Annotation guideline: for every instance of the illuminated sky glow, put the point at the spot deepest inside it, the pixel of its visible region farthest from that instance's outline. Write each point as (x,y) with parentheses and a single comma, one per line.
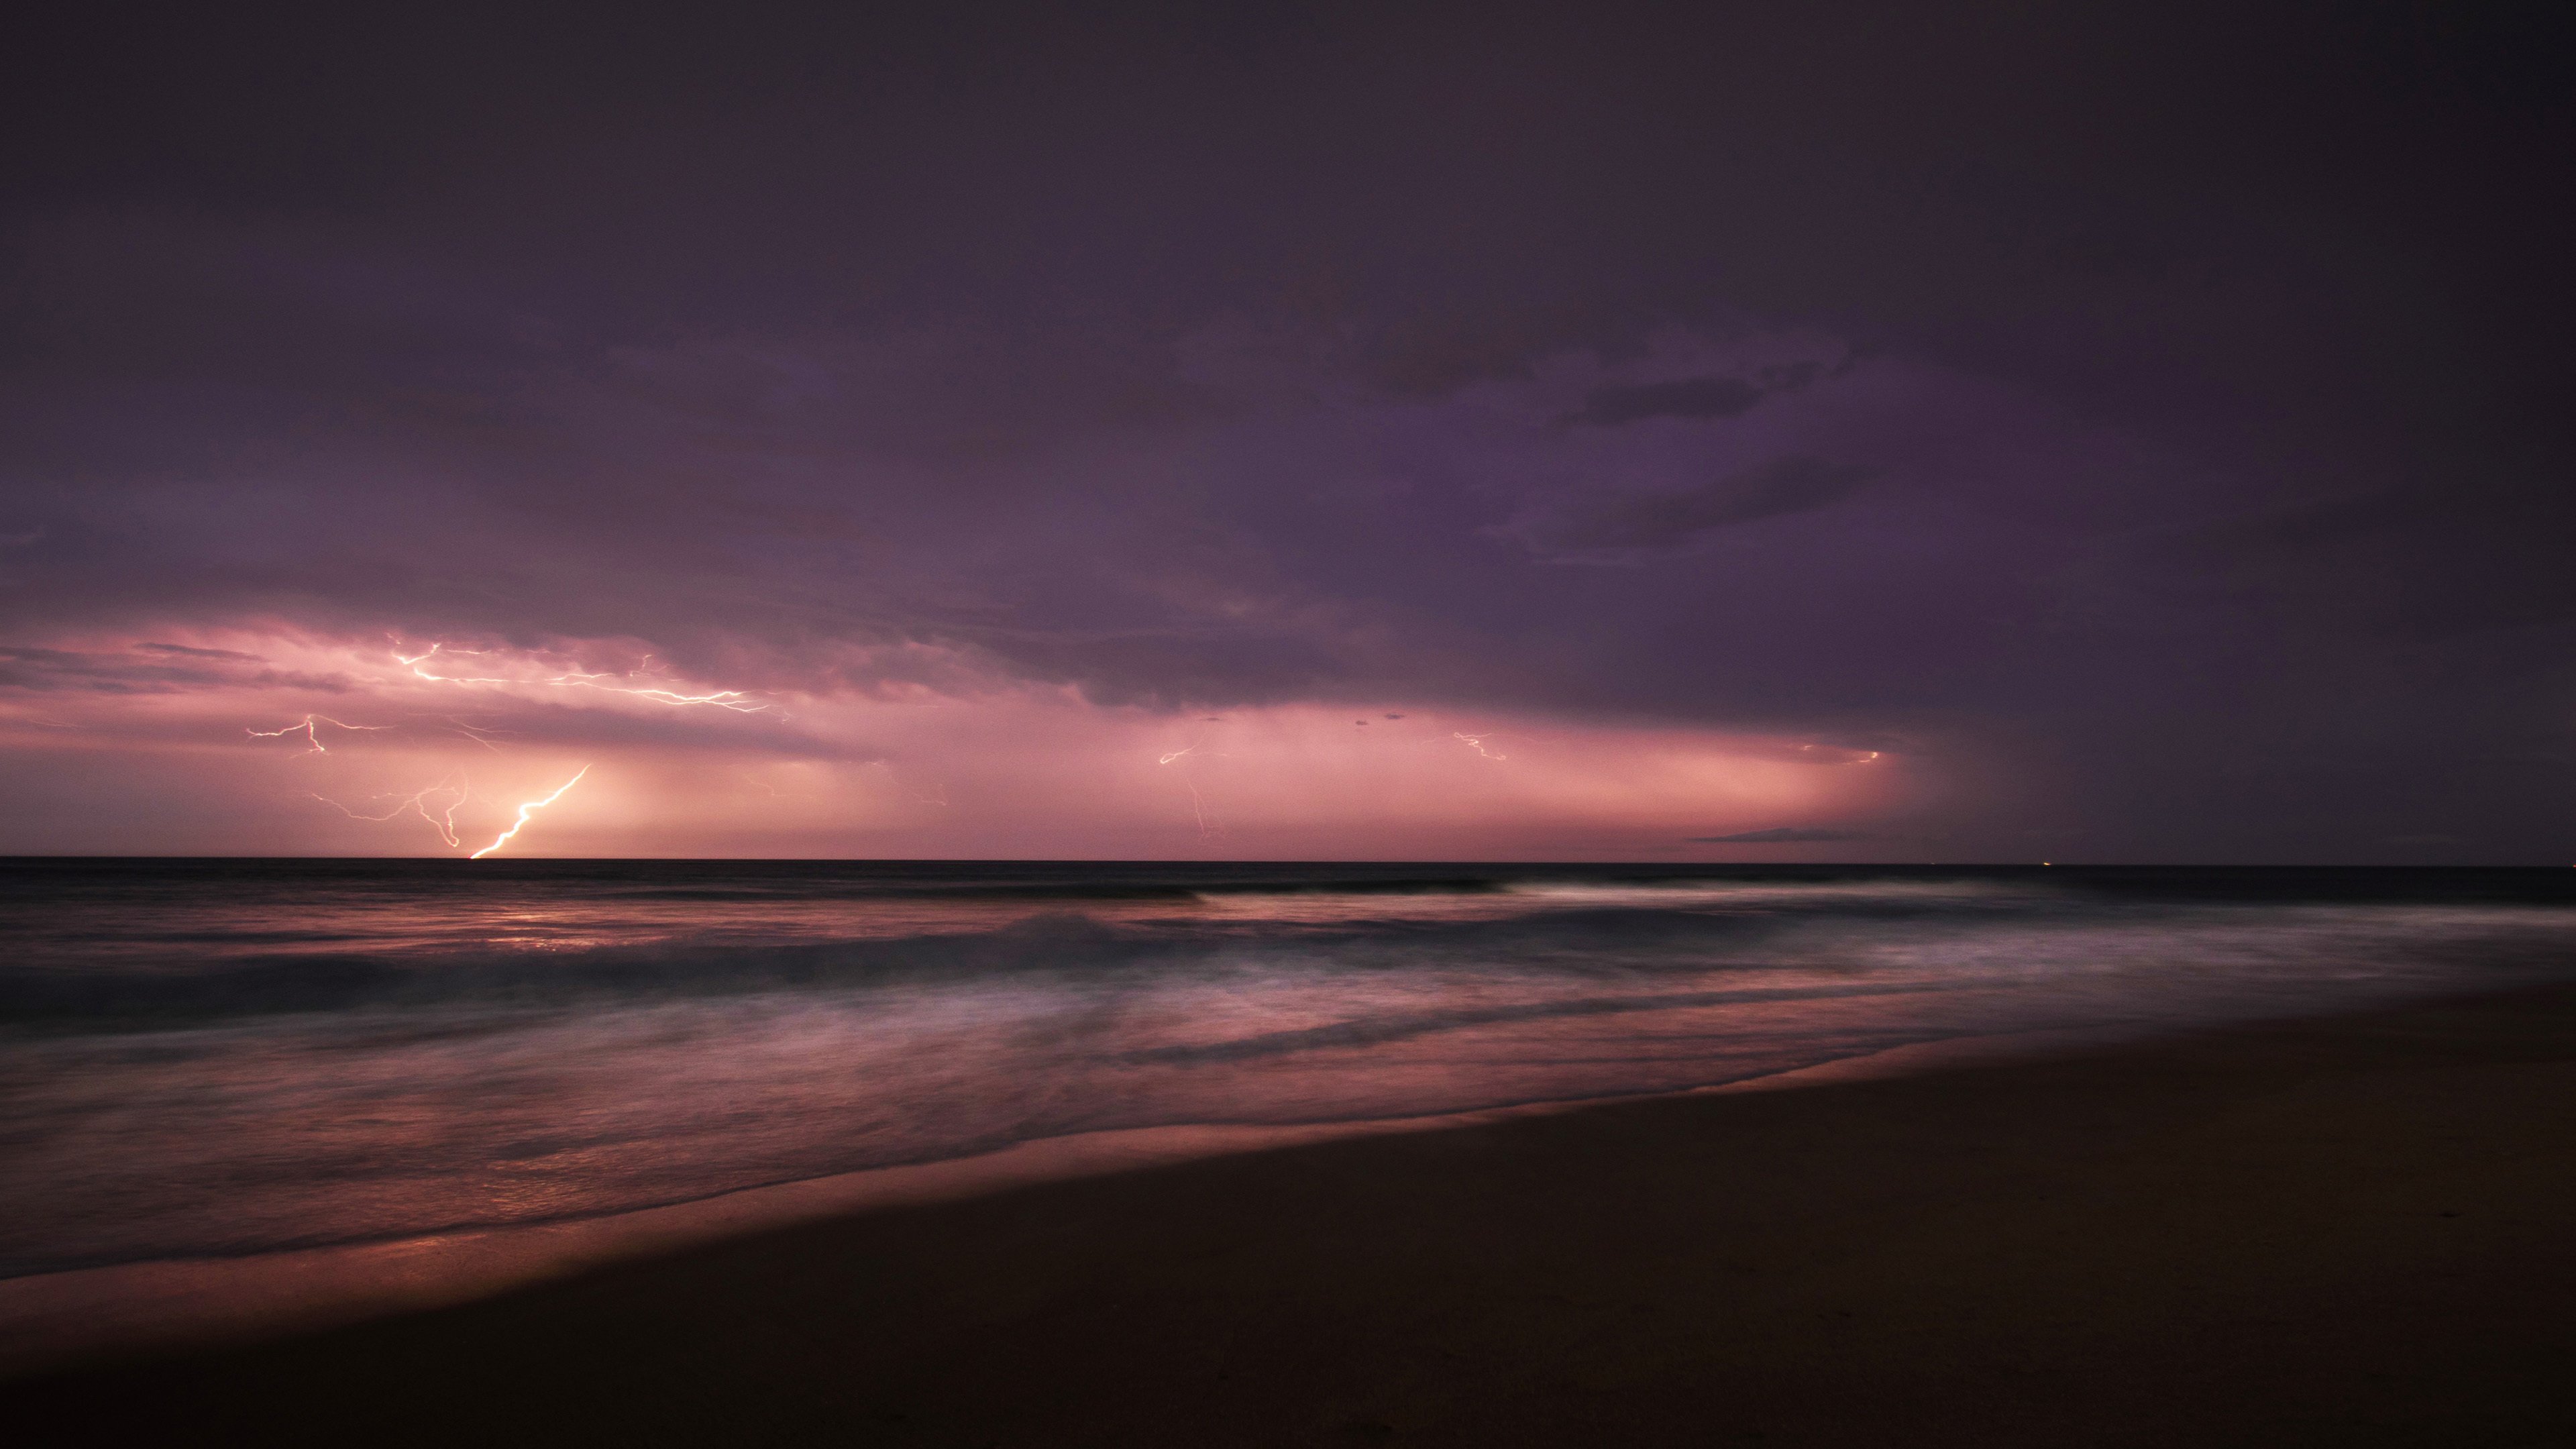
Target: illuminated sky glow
(433,766)
(1873,433)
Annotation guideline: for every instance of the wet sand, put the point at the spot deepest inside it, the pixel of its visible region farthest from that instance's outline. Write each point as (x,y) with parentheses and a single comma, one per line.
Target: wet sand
(2352,1231)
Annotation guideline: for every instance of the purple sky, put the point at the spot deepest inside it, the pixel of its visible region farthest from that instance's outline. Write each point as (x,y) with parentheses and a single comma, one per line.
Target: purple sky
(1886,432)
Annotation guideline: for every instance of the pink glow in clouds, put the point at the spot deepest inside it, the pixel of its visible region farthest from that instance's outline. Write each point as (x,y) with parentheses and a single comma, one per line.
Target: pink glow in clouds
(288,745)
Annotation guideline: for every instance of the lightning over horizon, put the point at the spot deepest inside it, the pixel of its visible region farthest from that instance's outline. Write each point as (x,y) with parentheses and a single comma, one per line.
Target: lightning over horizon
(1661,395)
(439,804)
(305,727)
(527,812)
(1198,802)
(444,822)
(1672,549)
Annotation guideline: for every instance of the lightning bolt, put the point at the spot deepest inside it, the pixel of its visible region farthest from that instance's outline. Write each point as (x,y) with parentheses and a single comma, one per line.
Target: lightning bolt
(578,678)
(305,727)
(1849,759)
(444,822)
(1477,743)
(479,736)
(527,811)
(1198,804)
(413,662)
(732,699)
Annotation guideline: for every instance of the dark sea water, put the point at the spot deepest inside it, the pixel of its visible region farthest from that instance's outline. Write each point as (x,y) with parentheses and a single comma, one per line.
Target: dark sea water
(226,1057)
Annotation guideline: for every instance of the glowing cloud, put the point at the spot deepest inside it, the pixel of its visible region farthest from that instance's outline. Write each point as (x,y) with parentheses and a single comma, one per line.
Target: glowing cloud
(985,770)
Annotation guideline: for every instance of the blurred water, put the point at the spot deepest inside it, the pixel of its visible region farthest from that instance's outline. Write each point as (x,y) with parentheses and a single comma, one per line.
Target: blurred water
(227,1057)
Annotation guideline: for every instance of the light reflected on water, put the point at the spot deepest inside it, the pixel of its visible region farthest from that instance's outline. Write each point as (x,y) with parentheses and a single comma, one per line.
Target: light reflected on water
(202,1065)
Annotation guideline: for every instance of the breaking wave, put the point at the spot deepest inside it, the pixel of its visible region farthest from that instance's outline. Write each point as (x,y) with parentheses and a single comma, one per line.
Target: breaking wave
(232,1057)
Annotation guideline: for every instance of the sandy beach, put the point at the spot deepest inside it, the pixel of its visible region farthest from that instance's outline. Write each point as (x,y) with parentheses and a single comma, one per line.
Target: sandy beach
(2338,1232)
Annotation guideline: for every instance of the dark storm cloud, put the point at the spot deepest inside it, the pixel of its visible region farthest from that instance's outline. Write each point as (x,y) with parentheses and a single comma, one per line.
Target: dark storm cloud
(186,651)
(2204,466)
(1784,835)
(149,669)
(1612,525)
(1700,398)
(1691,397)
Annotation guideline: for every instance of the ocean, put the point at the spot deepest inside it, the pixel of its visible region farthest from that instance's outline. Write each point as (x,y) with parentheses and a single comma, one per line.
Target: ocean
(213,1058)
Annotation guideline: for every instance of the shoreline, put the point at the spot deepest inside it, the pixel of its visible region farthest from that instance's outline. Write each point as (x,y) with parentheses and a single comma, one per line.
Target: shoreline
(72,1317)
(2344,1229)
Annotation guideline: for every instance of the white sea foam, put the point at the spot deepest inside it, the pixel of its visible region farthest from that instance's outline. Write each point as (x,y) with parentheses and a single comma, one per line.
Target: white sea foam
(198,1066)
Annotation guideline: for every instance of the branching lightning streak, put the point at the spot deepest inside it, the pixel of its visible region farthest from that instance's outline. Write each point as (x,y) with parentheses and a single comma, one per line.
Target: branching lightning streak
(478,736)
(1477,743)
(444,822)
(1198,804)
(732,699)
(305,727)
(527,811)
(415,661)
(578,678)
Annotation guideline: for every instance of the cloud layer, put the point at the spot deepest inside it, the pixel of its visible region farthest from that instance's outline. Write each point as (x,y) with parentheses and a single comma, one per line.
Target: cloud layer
(2139,483)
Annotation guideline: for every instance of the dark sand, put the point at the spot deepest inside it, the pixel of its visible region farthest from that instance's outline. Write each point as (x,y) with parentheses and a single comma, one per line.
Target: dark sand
(2348,1232)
